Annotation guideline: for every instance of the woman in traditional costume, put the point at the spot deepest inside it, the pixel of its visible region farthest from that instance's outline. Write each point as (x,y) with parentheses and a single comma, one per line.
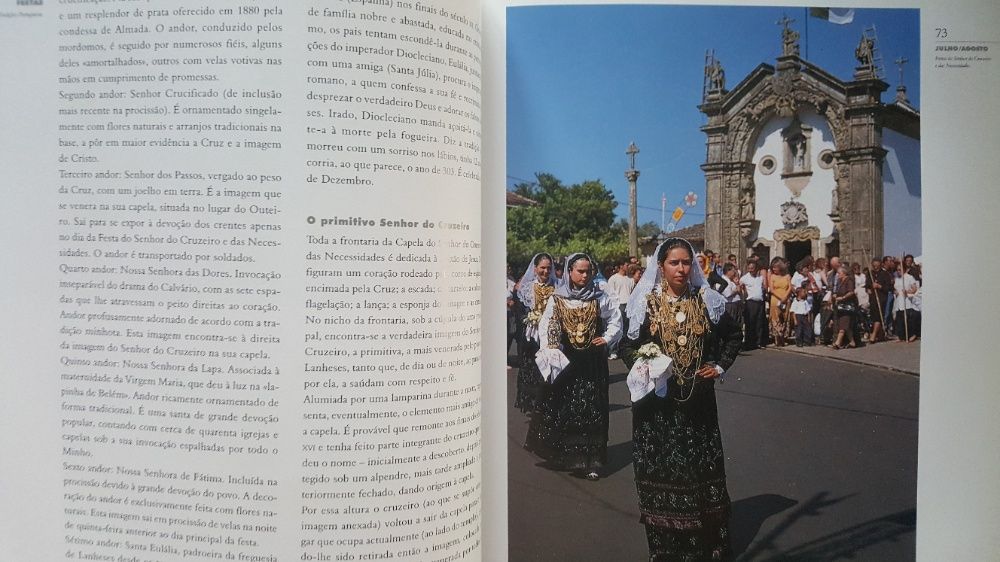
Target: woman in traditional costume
(569,427)
(677,451)
(533,291)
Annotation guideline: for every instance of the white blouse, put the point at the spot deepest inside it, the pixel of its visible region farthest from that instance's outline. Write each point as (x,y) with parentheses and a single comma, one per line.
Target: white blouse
(906,285)
(607,306)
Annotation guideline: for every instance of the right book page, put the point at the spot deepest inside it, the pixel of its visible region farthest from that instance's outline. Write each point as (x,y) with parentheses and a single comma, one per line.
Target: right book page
(792,133)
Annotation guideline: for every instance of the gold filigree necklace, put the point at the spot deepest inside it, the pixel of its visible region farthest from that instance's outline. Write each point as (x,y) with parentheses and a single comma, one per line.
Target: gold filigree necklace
(681,325)
(542,294)
(579,324)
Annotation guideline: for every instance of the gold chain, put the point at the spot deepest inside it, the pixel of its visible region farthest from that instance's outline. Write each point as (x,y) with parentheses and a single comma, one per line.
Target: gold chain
(579,324)
(542,294)
(681,325)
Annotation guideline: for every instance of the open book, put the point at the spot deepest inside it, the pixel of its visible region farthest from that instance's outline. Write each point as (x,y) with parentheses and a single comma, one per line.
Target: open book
(252,276)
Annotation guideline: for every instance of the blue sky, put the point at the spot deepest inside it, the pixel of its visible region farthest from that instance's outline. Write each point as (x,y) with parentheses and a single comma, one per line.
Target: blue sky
(585,81)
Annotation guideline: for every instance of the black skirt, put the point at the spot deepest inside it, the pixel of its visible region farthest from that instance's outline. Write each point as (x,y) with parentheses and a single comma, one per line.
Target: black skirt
(569,427)
(680,475)
(529,379)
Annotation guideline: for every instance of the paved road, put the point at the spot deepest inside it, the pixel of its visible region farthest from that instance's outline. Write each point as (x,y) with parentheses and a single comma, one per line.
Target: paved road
(821,457)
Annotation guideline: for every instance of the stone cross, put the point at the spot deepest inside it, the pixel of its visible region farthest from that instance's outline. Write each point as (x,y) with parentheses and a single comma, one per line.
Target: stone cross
(900,62)
(632,151)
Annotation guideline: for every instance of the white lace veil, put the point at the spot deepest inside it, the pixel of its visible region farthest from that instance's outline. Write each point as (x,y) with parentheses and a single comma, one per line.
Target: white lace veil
(651,279)
(526,286)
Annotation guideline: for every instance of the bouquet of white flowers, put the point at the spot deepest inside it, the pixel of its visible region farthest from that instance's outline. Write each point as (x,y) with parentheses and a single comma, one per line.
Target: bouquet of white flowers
(531,324)
(649,373)
(533,318)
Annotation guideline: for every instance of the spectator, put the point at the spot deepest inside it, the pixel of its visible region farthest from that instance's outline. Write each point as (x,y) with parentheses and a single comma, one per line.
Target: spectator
(880,284)
(907,305)
(732,260)
(620,286)
(780,289)
(801,309)
(733,292)
(889,265)
(845,307)
(753,308)
(635,271)
(861,291)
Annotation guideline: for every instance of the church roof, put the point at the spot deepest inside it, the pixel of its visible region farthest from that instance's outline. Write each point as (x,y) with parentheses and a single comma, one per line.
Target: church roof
(515,200)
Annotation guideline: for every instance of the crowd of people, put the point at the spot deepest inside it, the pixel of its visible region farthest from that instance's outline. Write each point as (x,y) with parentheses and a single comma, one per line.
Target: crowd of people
(812,302)
(699,311)
(821,301)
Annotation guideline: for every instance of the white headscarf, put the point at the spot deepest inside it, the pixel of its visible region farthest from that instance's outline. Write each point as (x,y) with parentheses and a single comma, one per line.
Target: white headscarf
(526,286)
(651,279)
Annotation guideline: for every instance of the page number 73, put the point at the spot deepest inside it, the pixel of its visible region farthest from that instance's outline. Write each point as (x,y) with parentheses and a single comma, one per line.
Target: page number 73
(941,32)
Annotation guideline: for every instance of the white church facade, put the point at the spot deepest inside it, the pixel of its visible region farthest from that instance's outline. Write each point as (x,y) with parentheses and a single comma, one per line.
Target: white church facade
(802,163)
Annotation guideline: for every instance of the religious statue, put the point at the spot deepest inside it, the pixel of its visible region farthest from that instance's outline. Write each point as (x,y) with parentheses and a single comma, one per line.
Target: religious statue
(790,42)
(716,76)
(865,53)
(746,198)
(799,150)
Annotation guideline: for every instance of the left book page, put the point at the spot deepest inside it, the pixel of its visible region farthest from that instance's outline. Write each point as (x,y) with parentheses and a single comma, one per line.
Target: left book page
(241,291)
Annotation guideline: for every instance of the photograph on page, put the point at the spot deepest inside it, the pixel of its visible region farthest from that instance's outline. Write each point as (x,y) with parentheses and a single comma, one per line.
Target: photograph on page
(714,282)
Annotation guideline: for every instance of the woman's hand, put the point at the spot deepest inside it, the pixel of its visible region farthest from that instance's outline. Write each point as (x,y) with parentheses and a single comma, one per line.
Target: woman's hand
(707,371)
(599,341)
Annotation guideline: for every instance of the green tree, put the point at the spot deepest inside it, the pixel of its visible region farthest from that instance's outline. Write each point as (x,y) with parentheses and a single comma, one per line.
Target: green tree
(575,218)
(645,230)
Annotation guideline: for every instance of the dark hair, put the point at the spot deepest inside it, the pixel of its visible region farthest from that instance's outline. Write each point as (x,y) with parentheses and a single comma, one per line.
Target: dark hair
(582,256)
(728,267)
(670,244)
(540,257)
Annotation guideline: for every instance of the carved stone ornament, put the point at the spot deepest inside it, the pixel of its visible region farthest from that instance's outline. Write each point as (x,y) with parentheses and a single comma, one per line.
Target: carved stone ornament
(785,94)
(797,234)
(789,42)
(794,215)
(747,198)
(842,190)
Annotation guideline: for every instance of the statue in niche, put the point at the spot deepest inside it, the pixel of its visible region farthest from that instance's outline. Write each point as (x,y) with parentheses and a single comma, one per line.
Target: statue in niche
(796,139)
(798,146)
(747,204)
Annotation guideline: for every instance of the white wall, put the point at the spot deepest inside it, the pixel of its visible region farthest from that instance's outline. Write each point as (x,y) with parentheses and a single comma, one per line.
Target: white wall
(901,194)
(771,190)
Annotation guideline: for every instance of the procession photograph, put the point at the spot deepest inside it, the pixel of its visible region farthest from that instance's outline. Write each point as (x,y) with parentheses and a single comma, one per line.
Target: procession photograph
(714,280)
